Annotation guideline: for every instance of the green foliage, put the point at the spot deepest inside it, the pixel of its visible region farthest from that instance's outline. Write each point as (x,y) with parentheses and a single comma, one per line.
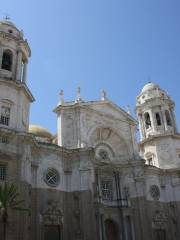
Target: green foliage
(9,200)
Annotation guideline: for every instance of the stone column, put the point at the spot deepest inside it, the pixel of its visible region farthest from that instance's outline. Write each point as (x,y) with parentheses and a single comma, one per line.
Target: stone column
(25,72)
(103,230)
(142,127)
(19,66)
(173,119)
(164,119)
(153,124)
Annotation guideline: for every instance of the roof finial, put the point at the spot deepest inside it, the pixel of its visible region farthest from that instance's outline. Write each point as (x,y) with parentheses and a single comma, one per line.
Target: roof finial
(78,95)
(103,95)
(128,110)
(61,97)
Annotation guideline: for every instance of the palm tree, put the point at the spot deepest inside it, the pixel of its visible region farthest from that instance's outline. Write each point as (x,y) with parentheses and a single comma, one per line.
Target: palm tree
(9,200)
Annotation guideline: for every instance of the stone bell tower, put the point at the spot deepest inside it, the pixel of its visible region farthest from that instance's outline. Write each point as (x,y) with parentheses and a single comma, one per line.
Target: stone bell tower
(15,97)
(155,111)
(160,141)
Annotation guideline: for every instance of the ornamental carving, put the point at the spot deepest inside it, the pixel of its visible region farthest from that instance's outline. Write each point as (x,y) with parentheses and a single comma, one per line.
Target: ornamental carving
(159,220)
(52,216)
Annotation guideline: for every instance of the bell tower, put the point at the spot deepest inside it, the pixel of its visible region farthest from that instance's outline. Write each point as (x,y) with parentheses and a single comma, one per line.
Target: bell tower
(15,97)
(158,131)
(155,112)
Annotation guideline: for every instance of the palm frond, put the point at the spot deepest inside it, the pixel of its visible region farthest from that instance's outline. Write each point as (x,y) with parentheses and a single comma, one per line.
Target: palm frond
(9,198)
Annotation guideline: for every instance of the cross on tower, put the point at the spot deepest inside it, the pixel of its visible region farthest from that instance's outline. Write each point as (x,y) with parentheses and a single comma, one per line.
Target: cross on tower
(7,17)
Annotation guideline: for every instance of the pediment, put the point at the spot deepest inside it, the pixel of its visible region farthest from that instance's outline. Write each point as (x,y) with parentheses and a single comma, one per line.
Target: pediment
(111,110)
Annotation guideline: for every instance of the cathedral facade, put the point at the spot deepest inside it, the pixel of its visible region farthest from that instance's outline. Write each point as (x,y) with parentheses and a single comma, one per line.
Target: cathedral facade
(92,180)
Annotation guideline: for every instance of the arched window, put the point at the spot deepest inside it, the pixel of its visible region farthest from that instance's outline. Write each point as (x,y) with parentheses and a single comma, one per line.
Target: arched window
(7,60)
(147,120)
(52,223)
(158,119)
(168,118)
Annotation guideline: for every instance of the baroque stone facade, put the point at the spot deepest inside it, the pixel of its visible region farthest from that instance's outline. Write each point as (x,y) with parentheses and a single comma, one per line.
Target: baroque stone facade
(92,180)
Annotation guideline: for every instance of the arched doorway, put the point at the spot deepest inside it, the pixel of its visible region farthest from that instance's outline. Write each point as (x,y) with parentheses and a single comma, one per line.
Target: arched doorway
(52,232)
(160,234)
(111,230)
(52,223)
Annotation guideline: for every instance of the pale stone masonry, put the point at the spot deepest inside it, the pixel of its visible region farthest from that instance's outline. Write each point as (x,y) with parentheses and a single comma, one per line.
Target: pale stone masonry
(92,180)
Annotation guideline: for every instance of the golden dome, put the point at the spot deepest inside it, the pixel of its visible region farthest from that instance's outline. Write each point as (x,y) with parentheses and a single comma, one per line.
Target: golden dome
(39,131)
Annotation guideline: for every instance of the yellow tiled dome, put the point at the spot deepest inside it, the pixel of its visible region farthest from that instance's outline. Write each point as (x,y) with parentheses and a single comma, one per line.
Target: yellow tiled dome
(39,131)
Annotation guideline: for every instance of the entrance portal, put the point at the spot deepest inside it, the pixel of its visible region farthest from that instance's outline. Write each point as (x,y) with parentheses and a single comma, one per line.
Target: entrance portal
(160,234)
(52,233)
(111,230)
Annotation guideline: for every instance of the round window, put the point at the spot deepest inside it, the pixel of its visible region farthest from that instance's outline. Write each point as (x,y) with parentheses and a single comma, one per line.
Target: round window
(155,192)
(51,177)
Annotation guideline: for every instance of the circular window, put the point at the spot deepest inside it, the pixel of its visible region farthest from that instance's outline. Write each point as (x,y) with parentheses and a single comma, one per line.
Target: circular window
(155,192)
(103,155)
(51,177)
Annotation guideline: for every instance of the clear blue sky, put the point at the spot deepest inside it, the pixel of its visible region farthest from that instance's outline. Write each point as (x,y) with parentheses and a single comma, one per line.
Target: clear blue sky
(114,45)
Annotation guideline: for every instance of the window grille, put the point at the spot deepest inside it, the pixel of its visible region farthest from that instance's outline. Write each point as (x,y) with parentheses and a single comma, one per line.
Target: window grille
(2,172)
(51,177)
(5,116)
(155,192)
(4,140)
(106,190)
(103,155)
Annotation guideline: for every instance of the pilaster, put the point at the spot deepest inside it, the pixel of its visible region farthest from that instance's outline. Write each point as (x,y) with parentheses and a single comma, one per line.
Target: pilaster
(25,72)
(19,66)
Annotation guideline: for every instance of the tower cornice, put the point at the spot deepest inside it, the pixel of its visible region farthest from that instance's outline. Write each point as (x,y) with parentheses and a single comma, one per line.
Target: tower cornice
(155,137)
(18,85)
